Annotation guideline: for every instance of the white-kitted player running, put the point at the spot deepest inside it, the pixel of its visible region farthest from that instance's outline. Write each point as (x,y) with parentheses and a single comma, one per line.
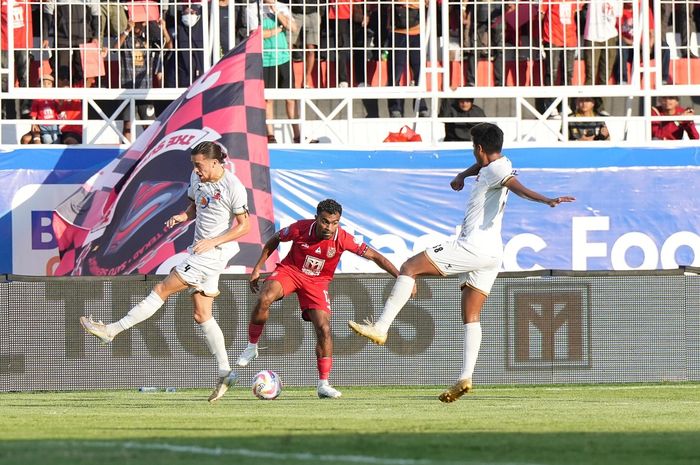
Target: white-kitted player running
(219,203)
(475,255)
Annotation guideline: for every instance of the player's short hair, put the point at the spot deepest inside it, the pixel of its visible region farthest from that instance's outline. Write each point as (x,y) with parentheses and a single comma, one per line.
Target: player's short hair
(209,149)
(329,206)
(488,136)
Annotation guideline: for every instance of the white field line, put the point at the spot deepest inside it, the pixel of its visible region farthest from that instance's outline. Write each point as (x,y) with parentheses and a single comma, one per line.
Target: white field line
(304,457)
(617,388)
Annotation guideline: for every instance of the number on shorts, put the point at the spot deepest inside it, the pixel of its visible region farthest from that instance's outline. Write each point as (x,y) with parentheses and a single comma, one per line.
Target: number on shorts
(437,249)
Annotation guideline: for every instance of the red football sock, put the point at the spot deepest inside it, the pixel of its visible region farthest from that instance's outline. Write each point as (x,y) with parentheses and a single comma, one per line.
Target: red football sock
(324,365)
(254,332)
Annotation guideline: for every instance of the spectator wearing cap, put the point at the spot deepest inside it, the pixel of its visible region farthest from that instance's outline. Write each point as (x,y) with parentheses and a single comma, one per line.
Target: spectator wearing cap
(43,110)
(587,107)
(460,108)
(672,130)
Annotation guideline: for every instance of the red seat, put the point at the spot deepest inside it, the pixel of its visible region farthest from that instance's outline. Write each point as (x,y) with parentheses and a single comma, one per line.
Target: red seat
(685,71)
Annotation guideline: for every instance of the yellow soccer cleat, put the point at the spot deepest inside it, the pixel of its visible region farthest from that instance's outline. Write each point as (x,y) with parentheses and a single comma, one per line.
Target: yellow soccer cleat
(369,331)
(457,390)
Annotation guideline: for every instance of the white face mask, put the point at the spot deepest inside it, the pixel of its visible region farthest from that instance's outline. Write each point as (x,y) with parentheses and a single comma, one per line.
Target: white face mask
(190,19)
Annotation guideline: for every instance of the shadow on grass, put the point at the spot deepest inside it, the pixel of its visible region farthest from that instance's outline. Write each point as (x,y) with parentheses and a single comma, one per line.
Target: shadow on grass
(410,448)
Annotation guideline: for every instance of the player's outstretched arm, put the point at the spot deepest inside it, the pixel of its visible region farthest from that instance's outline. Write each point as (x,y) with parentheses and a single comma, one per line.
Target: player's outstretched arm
(457,182)
(521,191)
(267,250)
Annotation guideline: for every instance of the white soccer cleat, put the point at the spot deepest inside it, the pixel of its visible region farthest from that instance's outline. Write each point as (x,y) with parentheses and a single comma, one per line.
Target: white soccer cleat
(248,355)
(326,391)
(369,331)
(222,386)
(96,328)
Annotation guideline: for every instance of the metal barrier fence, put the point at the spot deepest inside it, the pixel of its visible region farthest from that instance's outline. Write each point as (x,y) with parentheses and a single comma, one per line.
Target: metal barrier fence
(543,328)
(348,61)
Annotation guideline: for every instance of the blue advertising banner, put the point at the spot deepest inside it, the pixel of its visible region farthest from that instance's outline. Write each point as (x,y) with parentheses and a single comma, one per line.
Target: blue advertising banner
(635,207)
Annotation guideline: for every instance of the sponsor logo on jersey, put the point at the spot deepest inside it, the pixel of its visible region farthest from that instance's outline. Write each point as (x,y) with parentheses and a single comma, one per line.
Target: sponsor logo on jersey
(318,250)
(312,266)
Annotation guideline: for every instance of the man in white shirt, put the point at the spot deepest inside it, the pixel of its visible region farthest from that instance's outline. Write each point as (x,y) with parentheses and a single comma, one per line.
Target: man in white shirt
(475,255)
(600,40)
(219,205)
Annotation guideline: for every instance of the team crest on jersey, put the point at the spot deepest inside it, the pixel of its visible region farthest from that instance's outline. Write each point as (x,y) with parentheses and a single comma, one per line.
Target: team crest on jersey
(217,195)
(331,252)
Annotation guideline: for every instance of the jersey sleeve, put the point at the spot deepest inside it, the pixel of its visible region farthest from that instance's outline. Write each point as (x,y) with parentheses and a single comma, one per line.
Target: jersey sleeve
(351,244)
(501,173)
(289,233)
(239,200)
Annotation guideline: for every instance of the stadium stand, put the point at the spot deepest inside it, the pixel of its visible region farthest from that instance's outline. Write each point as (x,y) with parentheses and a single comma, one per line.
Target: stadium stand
(498,52)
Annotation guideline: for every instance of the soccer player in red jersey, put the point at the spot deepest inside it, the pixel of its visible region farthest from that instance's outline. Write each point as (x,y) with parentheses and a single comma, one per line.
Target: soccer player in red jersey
(307,271)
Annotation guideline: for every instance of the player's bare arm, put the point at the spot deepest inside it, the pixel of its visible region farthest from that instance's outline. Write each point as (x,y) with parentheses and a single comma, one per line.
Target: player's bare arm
(383,263)
(267,250)
(521,191)
(240,228)
(457,182)
(189,214)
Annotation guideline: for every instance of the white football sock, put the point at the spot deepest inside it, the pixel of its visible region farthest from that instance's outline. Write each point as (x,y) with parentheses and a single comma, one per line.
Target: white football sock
(472,343)
(400,294)
(216,343)
(142,311)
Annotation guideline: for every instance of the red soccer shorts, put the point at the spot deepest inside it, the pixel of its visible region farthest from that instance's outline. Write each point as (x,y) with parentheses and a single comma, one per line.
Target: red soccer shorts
(312,293)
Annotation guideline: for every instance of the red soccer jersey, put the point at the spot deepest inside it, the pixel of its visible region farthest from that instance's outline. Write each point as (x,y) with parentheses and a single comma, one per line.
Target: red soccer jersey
(317,258)
(20,21)
(44,109)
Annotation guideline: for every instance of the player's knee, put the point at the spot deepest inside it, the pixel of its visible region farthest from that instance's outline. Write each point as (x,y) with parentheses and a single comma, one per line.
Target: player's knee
(323,332)
(265,300)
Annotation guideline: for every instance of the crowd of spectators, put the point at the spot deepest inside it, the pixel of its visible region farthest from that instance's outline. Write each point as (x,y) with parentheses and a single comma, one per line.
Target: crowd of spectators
(145,44)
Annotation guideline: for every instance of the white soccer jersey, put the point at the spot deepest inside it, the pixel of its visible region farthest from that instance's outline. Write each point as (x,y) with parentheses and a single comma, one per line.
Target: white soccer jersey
(217,203)
(481,228)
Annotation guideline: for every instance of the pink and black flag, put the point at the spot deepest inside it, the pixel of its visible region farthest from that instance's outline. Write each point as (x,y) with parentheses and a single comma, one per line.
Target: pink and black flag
(114,224)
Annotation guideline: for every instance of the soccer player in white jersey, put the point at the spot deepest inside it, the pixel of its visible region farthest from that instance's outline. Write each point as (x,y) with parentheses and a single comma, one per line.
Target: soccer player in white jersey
(219,203)
(475,255)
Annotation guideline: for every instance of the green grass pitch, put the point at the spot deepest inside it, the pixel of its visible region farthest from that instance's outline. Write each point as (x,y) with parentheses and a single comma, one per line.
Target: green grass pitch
(591,424)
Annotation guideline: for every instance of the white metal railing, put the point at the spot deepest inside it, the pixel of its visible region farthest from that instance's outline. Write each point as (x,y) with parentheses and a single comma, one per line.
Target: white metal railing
(494,51)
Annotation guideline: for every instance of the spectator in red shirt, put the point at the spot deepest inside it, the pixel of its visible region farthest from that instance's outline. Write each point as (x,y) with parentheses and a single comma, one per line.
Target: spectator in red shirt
(559,43)
(43,110)
(72,109)
(307,270)
(672,130)
(19,20)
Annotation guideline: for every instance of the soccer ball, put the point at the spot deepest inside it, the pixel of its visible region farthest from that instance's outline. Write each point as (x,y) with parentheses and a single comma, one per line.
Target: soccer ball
(267,385)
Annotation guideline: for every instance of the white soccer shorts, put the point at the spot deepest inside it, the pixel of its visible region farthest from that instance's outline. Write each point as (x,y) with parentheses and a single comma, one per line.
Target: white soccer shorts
(476,271)
(202,271)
